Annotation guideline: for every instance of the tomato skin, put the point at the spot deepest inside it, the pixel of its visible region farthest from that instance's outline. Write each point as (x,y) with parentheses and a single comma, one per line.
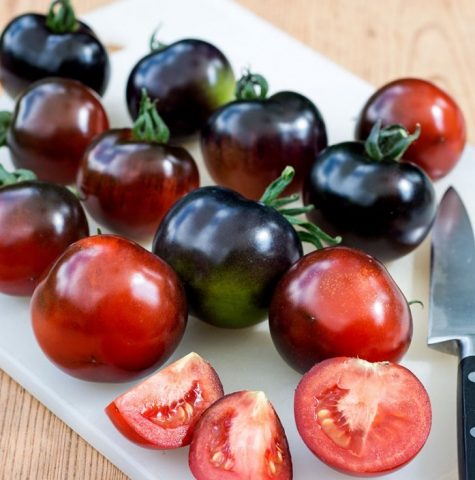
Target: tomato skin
(240,437)
(108,310)
(229,252)
(247,143)
(30,51)
(38,220)
(412,101)
(53,123)
(362,418)
(335,302)
(162,411)
(129,185)
(190,79)
(384,207)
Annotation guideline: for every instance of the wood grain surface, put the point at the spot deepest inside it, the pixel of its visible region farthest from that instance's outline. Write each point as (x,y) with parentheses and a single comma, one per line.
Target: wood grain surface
(379,41)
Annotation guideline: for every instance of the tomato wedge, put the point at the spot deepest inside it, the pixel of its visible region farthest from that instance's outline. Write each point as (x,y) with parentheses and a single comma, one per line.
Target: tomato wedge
(361,417)
(240,437)
(161,412)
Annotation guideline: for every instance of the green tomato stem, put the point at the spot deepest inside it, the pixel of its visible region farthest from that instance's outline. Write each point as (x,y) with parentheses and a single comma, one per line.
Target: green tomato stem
(389,143)
(20,175)
(154,43)
(251,86)
(61,17)
(149,126)
(5,122)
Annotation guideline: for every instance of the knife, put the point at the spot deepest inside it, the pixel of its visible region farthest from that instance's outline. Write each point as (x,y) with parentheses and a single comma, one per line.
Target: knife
(452,313)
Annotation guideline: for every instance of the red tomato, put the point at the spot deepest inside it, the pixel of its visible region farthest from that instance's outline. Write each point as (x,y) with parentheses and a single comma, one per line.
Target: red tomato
(128,185)
(161,412)
(240,437)
(361,417)
(108,310)
(339,302)
(412,101)
(53,122)
(38,220)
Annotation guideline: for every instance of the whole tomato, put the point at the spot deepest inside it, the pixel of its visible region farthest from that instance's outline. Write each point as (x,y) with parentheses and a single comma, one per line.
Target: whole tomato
(339,302)
(413,101)
(108,310)
(38,220)
(248,142)
(35,46)
(53,122)
(129,178)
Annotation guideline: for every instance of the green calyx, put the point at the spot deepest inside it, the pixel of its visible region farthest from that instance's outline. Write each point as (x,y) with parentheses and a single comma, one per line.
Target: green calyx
(149,126)
(61,17)
(389,143)
(20,175)
(154,43)
(251,86)
(5,121)
(307,231)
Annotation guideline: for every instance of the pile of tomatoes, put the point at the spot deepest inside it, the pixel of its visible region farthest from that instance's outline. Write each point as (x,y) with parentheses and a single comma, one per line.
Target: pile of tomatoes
(104,308)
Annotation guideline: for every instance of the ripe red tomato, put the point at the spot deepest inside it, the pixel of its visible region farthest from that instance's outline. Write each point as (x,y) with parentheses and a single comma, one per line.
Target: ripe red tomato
(240,437)
(161,412)
(53,122)
(128,184)
(360,417)
(339,302)
(108,310)
(412,101)
(38,220)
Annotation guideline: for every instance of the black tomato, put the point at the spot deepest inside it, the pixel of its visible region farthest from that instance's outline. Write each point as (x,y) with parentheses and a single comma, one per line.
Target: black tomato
(129,178)
(189,78)
(53,123)
(229,251)
(38,221)
(248,142)
(376,203)
(34,46)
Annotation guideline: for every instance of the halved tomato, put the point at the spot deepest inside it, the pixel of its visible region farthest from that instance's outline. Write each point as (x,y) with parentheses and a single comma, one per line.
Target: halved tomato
(240,437)
(161,412)
(361,417)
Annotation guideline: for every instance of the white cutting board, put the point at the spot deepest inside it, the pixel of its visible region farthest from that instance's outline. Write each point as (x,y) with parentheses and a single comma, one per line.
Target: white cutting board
(244,359)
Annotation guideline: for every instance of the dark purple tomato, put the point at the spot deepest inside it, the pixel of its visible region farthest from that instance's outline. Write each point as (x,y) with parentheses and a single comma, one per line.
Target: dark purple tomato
(54,121)
(189,78)
(38,221)
(128,185)
(248,142)
(34,46)
(384,207)
(412,101)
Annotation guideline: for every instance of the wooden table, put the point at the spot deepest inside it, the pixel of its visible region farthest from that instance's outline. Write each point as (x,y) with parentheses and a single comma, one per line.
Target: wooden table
(378,41)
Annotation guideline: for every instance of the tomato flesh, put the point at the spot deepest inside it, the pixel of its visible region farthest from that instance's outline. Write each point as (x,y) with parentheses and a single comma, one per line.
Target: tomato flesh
(362,417)
(240,437)
(161,412)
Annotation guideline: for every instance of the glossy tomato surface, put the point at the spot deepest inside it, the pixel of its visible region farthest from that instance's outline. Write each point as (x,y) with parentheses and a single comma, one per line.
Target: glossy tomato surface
(53,123)
(247,143)
(129,185)
(412,101)
(383,207)
(190,79)
(108,310)
(240,437)
(30,51)
(362,418)
(229,252)
(335,302)
(162,411)
(38,220)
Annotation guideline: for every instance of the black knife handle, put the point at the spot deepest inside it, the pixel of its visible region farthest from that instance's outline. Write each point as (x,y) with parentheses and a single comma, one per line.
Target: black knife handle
(466,418)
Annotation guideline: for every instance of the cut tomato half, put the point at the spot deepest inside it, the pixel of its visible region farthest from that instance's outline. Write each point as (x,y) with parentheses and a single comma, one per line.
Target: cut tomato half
(240,437)
(361,417)
(161,412)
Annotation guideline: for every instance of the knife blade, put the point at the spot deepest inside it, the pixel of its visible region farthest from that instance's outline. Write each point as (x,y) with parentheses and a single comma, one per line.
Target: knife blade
(452,313)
